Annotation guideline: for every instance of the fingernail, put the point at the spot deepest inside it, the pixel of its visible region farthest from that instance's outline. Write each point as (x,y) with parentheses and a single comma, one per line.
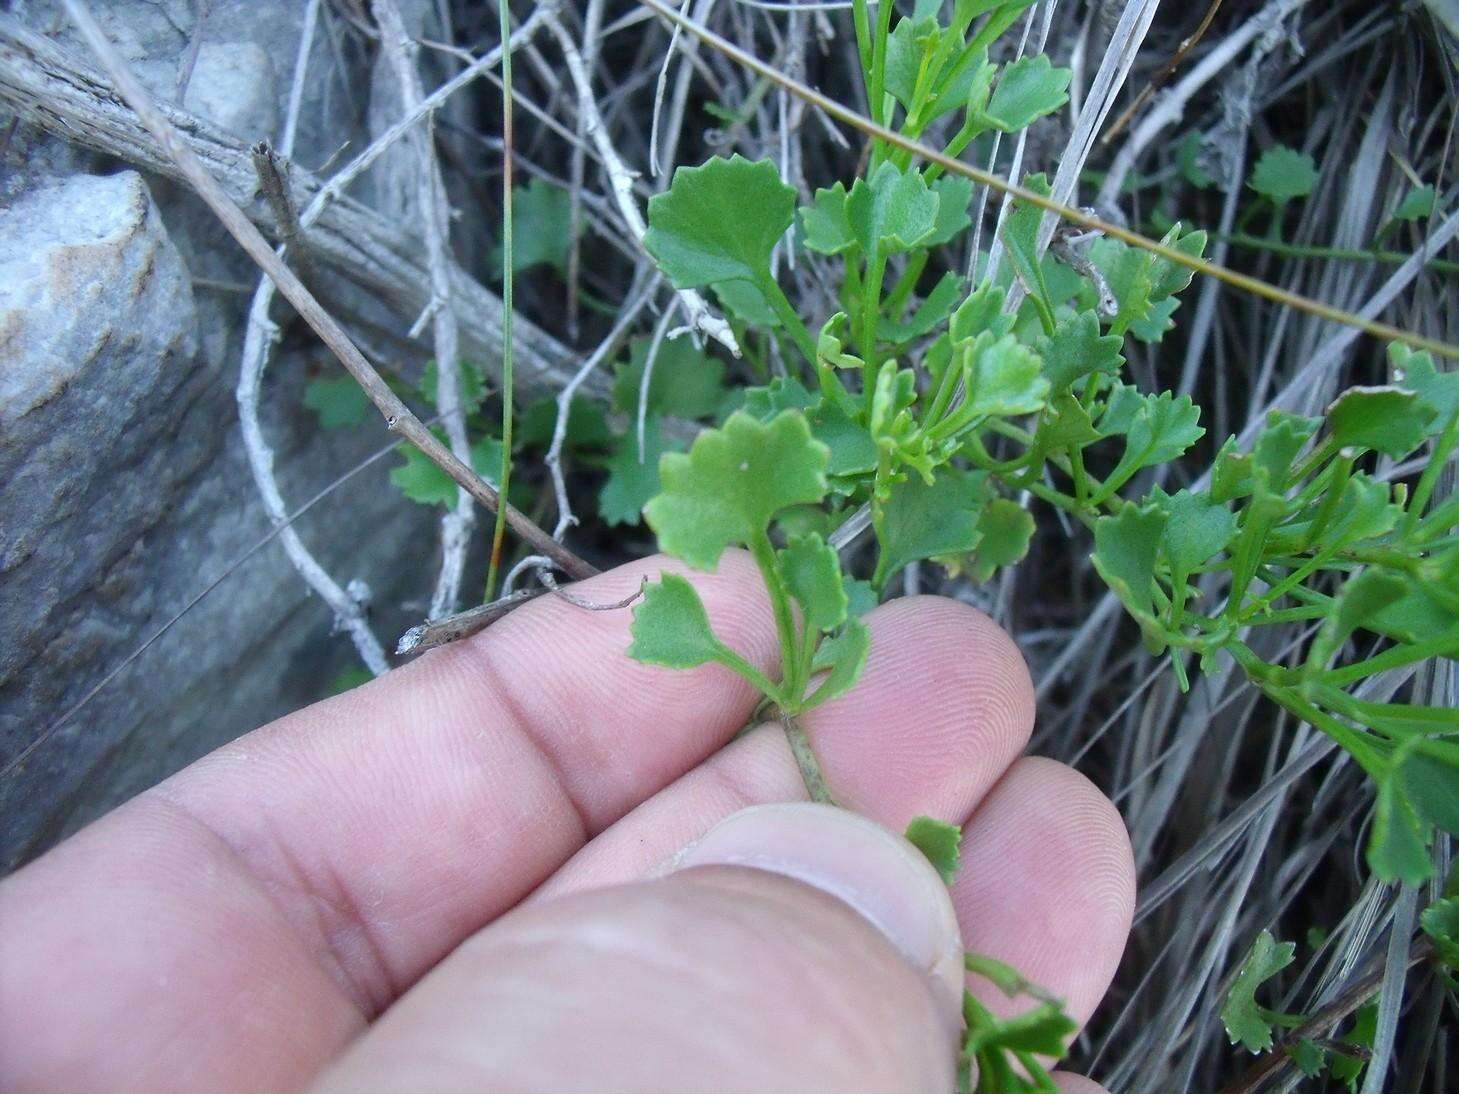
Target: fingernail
(876,872)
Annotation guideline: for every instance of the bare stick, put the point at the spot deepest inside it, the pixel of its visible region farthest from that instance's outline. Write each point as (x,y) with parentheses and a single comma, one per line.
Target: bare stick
(456,522)
(700,316)
(275,189)
(453,628)
(348,605)
(565,517)
(398,416)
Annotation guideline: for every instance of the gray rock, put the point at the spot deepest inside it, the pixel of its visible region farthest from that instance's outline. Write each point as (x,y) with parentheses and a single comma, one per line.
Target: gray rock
(236,86)
(125,491)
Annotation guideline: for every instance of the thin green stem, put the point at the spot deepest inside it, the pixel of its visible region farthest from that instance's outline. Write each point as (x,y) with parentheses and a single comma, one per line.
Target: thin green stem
(735,663)
(870,311)
(806,761)
(764,555)
(789,317)
(1427,481)
(498,534)
(1297,250)
(1443,645)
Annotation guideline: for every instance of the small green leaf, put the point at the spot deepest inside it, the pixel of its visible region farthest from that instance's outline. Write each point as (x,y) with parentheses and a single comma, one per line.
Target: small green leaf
(1417,204)
(338,402)
(1386,419)
(1076,349)
(908,46)
(1005,530)
(853,451)
(921,521)
(1357,602)
(1045,1030)
(732,482)
(892,211)
(631,481)
(841,657)
(719,222)
(940,842)
(1003,379)
(1283,173)
(1029,88)
(421,480)
(826,228)
(1398,846)
(1198,528)
(1415,371)
(1125,547)
(542,227)
(1122,405)
(1247,1022)
(1308,1057)
(981,311)
(954,195)
(1277,446)
(470,384)
(1020,236)
(686,382)
(780,394)
(931,313)
(1168,278)
(1160,431)
(812,573)
(1348,1067)
(670,626)
(1430,780)
(587,425)
(1189,158)
(860,596)
(1440,922)
(743,300)
(1065,423)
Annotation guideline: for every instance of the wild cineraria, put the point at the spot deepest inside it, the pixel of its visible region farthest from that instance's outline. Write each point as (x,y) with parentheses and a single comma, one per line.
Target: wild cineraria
(963,380)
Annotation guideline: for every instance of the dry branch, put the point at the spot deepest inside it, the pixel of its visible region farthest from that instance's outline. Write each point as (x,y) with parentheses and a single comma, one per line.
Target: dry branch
(457,521)
(397,415)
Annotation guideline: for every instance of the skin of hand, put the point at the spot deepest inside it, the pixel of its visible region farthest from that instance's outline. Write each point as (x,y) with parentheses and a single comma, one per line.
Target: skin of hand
(471,874)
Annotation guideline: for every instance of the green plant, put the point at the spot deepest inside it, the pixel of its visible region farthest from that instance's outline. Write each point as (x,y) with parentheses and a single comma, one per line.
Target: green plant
(936,406)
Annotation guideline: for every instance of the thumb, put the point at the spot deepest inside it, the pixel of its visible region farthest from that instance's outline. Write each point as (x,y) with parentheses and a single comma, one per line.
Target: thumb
(795,948)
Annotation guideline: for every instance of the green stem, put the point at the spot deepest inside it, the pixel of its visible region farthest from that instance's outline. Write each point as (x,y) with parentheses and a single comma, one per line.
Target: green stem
(788,316)
(1297,250)
(876,89)
(870,310)
(861,19)
(906,283)
(1444,645)
(806,761)
(498,534)
(764,555)
(1430,477)
(735,663)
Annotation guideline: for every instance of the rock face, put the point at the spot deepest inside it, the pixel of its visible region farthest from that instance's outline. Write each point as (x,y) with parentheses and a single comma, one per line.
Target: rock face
(123,485)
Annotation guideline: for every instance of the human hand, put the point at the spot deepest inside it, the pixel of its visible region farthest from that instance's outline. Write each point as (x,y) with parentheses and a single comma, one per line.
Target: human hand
(437,881)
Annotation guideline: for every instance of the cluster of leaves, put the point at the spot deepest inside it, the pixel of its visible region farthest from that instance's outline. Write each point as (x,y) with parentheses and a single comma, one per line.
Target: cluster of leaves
(1251,1024)
(938,410)
(999,1055)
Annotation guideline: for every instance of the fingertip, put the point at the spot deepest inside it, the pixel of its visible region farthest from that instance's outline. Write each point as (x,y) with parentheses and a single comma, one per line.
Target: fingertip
(1069,1083)
(1048,882)
(944,705)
